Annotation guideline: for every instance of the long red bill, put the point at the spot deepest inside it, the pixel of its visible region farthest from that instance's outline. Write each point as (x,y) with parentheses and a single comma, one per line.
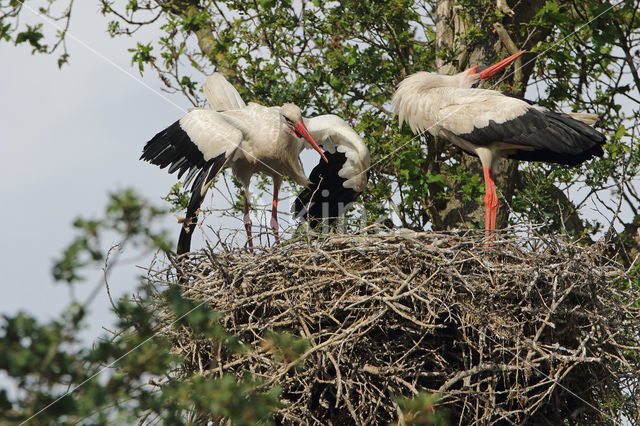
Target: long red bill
(301,129)
(497,67)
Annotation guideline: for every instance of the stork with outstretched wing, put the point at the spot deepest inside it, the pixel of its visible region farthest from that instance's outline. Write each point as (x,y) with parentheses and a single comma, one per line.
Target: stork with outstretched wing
(257,139)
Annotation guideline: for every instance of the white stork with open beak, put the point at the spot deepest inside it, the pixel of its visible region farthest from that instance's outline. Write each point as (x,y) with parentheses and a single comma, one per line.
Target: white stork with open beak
(491,125)
(257,139)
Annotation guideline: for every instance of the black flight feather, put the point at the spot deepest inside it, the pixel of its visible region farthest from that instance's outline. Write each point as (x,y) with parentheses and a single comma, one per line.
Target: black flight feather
(325,198)
(206,175)
(553,137)
(173,147)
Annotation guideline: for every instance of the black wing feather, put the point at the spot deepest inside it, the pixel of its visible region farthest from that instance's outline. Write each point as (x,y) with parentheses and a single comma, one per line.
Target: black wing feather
(206,175)
(553,137)
(325,198)
(173,147)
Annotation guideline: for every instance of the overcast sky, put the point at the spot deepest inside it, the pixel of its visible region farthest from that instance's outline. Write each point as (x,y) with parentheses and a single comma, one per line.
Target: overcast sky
(68,137)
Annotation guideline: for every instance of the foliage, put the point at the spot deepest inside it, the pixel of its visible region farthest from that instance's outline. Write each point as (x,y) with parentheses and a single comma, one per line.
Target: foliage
(177,197)
(122,378)
(285,347)
(132,374)
(329,57)
(421,410)
(129,216)
(589,65)
(347,57)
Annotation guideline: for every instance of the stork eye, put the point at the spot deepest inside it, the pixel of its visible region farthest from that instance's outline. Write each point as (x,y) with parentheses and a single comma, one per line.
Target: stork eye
(288,120)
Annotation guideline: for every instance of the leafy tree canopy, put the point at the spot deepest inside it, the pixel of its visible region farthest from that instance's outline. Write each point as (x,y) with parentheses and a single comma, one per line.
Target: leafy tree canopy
(345,58)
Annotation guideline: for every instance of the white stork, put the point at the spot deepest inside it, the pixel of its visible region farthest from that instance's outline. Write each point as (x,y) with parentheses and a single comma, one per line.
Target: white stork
(491,125)
(257,139)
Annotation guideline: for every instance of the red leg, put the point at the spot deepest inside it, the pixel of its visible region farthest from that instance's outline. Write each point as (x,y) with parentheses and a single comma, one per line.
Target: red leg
(490,203)
(247,218)
(494,201)
(274,212)
(487,201)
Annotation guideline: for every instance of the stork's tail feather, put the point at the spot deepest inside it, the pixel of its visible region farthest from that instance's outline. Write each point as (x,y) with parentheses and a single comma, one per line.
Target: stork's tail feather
(576,142)
(590,139)
(325,198)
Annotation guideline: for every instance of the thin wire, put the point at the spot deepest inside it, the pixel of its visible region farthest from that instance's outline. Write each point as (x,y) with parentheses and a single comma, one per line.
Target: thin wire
(384,158)
(100,55)
(394,152)
(113,363)
(92,50)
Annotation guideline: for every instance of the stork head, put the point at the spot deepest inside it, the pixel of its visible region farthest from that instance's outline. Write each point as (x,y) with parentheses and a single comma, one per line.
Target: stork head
(481,72)
(291,119)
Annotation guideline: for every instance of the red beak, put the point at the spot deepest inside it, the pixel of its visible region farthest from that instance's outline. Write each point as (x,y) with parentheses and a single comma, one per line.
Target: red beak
(495,68)
(302,131)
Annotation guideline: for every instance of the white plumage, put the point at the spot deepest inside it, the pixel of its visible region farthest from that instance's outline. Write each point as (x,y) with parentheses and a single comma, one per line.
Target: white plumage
(458,110)
(492,125)
(251,138)
(211,132)
(221,94)
(335,135)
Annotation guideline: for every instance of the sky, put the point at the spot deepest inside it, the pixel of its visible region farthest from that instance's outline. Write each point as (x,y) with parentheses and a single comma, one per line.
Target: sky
(69,137)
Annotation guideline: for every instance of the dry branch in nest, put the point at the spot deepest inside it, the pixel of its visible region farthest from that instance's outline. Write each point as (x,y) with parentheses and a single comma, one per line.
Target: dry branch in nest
(506,334)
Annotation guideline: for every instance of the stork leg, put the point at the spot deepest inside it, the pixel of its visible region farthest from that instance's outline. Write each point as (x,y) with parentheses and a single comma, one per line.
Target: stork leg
(247,218)
(274,211)
(494,201)
(490,203)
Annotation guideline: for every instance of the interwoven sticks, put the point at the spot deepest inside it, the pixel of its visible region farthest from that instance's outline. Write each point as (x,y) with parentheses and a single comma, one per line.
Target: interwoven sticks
(505,334)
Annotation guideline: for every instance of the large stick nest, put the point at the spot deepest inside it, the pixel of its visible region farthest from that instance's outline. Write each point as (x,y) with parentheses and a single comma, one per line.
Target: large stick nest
(528,330)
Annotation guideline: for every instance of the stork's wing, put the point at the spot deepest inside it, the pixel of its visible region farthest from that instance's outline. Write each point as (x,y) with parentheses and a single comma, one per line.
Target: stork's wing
(528,132)
(221,94)
(193,143)
(583,117)
(201,142)
(334,185)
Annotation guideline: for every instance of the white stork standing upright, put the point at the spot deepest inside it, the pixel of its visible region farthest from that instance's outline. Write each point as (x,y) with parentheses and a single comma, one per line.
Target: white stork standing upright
(257,139)
(490,124)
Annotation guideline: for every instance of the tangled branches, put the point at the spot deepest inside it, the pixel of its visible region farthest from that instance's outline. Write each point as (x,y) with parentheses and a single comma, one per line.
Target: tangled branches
(505,334)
